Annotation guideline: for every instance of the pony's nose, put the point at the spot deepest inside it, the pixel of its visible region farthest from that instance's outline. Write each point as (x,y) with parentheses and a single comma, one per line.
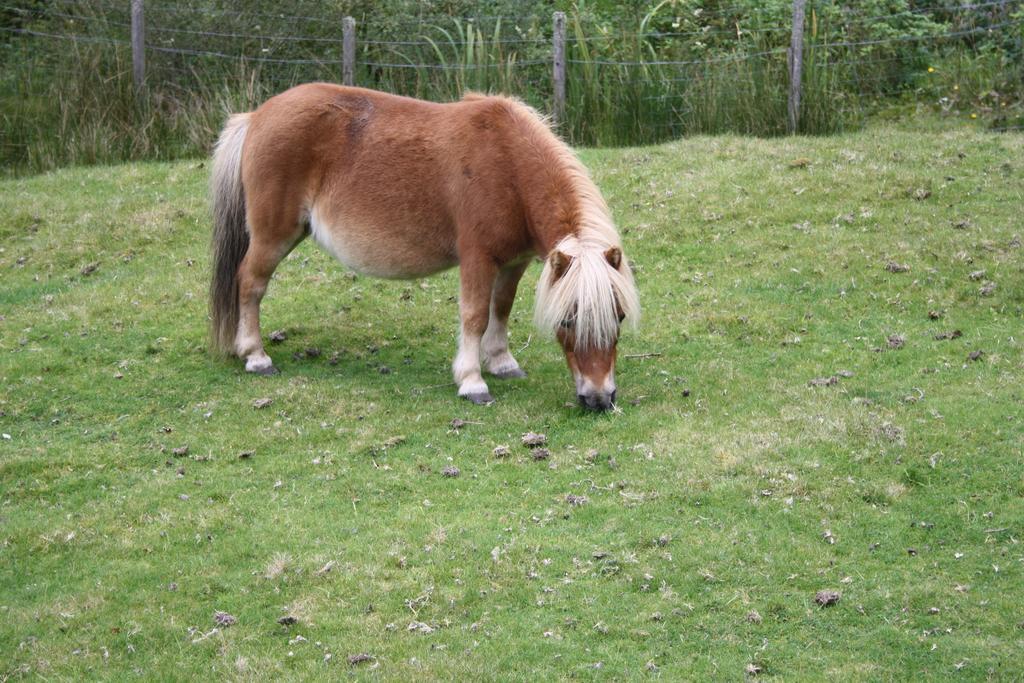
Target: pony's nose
(599,401)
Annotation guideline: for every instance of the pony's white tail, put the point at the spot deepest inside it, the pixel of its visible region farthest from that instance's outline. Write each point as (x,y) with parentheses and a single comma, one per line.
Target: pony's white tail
(230,236)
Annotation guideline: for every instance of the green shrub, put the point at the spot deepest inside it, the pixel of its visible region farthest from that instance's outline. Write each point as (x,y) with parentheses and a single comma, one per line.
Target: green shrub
(638,71)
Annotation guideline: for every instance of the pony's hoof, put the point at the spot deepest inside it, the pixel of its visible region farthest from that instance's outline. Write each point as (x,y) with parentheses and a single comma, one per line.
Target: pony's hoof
(514,373)
(481,399)
(268,370)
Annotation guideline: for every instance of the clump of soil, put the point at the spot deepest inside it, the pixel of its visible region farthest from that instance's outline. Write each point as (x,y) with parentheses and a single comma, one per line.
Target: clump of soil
(223,619)
(534,440)
(827,598)
(894,267)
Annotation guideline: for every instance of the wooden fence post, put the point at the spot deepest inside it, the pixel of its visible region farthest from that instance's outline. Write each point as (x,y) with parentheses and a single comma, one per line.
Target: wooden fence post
(558,64)
(796,62)
(138,45)
(348,51)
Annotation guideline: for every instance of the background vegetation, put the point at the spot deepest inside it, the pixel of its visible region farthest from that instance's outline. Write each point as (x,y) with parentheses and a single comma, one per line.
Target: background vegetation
(639,71)
(826,394)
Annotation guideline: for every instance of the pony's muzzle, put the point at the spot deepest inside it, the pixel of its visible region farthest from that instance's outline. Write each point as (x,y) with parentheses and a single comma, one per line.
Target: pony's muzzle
(598,401)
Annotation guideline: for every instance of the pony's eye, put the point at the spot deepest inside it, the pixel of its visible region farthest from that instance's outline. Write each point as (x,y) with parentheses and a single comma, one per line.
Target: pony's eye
(567,323)
(622,316)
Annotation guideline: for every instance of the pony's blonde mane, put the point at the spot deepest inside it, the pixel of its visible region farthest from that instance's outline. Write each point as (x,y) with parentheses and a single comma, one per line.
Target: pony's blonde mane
(590,291)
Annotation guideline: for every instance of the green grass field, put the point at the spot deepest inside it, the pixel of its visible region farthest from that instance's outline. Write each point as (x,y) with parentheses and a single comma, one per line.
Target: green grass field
(727,491)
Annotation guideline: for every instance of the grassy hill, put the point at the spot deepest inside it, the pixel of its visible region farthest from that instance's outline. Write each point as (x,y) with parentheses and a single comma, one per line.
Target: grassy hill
(825,394)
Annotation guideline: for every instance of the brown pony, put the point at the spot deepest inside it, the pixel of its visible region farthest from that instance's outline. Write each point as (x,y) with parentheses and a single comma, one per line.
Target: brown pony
(401,188)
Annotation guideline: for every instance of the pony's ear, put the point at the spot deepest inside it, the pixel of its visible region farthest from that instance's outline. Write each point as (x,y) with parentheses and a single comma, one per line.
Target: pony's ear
(614,257)
(559,264)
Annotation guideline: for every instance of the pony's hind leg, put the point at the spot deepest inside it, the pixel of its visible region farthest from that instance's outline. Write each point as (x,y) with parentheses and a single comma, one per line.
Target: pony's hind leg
(254,273)
(497,358)
(477,280)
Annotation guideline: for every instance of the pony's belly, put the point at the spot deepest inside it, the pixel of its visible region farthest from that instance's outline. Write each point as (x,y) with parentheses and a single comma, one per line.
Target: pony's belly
(387,253)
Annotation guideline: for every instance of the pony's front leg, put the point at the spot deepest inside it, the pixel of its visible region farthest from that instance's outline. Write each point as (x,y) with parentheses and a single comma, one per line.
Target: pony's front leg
(477,279)
(497,358)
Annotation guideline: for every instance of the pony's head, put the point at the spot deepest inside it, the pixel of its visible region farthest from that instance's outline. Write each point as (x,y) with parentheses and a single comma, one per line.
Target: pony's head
(585,294)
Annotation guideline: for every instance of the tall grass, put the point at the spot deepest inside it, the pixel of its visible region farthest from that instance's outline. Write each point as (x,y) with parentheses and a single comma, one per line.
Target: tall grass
(466,60)
(92,114)
(73,102)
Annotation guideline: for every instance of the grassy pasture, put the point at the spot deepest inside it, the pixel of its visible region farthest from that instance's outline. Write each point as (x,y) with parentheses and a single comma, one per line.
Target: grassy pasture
(719,500)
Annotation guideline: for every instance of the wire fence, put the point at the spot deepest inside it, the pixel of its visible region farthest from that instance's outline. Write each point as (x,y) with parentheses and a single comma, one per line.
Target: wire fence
(706,70)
